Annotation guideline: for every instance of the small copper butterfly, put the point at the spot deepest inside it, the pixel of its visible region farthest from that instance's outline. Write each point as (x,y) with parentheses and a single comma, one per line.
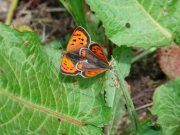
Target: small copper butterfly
(83,56)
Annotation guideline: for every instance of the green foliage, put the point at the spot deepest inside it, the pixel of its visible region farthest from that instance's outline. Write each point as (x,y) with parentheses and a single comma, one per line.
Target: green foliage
(146,128)
(33,98)
(167,13)
(145,24)
(122,59)
(113,93)
(118,76)
(75,8)
(167,107)
(123,55)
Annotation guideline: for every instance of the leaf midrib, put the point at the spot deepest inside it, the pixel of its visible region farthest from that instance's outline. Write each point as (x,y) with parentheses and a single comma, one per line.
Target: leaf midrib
(154,22)
(42,109)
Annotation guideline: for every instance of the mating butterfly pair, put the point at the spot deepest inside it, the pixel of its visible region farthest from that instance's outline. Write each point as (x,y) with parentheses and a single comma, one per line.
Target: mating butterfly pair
(83,56)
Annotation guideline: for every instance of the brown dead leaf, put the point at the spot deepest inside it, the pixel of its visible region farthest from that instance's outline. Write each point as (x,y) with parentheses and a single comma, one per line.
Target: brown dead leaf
(169,60)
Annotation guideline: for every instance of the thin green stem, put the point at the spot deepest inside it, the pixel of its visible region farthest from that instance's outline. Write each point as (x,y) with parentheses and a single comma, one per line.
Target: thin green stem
(10,14)
(143,54)
(128,100)
(129,103)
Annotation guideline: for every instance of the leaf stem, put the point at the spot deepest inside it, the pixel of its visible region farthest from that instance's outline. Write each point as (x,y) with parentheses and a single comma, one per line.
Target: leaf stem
(13,5)
(129,103)
(128,100)
(143,54)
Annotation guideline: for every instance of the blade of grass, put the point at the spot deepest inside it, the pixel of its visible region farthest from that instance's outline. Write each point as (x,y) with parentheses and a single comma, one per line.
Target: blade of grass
(10,14)
(75,8)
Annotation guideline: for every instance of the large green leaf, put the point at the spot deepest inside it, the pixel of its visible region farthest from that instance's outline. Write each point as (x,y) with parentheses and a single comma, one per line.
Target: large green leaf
(167,107)
(166,13)
(113,94)
(116,88)
(35,100)
(139,23)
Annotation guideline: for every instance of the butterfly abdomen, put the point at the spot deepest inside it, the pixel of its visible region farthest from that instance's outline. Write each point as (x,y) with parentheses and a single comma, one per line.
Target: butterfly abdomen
(93,59)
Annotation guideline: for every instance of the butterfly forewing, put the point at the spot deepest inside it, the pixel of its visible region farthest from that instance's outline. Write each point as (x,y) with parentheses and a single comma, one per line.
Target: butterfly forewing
(68,67)
(83,57)
(80,38)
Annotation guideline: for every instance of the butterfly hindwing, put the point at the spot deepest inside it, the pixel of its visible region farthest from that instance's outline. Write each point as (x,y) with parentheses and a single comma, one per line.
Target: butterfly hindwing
(68,67)
(85,66)
(91,73)
(80,38)
(96,49)
(82,56)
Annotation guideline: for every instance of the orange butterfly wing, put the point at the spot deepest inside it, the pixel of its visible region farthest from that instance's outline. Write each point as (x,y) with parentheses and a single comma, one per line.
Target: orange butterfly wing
(88,69)
(92,73)
(68,67)
(96,49)
(80,38)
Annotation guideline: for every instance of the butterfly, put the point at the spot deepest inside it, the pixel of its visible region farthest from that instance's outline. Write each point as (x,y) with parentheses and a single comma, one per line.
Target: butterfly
(83,57)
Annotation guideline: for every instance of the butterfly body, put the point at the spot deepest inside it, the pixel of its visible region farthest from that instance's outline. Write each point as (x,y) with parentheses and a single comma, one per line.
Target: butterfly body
(74,56)
(92,62)
(83,57)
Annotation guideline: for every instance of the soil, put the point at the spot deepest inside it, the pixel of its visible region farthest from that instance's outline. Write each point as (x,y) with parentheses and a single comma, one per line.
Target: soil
(145,76)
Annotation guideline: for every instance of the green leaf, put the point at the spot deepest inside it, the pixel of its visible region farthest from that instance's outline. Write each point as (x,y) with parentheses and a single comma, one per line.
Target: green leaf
(166,13)
(75,8)
(138,23)
(167,107)
(35,99)
(121,67)
(123,55)
(113,93)
(123,87)
(147,128)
